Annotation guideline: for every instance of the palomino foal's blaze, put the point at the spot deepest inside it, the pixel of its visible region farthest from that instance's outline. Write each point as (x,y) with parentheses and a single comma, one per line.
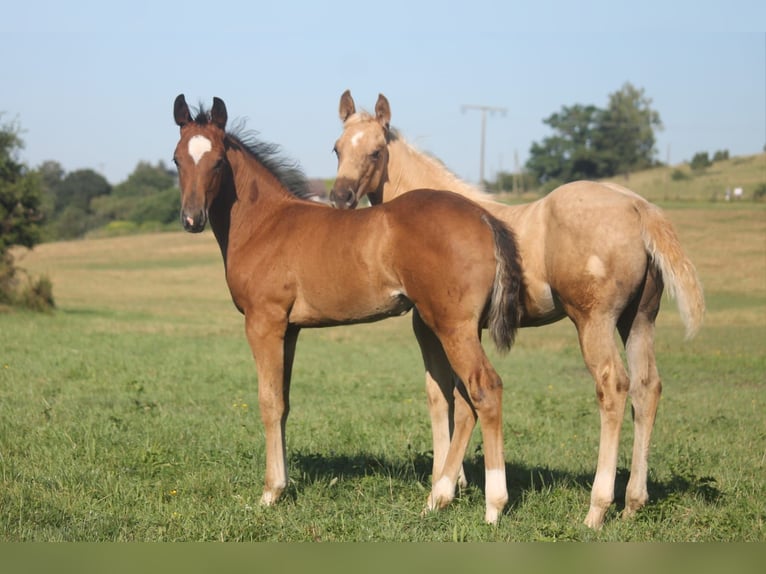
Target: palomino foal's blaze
(594,252)
(285,271)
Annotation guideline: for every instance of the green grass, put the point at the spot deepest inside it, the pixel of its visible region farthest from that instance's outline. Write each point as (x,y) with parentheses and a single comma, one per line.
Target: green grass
(131,412)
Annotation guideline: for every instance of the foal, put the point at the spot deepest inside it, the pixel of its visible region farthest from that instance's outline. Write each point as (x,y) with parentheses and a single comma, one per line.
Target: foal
(286,270)
(594,252)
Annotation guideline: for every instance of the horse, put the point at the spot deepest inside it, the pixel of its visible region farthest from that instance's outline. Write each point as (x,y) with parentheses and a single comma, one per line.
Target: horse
(597,253)
(292,263)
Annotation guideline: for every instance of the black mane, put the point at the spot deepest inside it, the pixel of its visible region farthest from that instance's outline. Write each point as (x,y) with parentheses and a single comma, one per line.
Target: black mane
(287,172)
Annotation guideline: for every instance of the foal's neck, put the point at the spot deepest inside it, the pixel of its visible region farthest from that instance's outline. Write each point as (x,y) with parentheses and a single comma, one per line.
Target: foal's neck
(249,193)
(409,168)
(254,183)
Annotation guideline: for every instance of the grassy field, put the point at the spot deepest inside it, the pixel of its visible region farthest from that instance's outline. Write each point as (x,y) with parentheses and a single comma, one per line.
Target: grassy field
(130,414)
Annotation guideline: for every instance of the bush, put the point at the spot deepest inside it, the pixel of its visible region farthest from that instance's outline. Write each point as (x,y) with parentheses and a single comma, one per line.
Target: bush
(759,194)
(721,155)
(678,175)
(7,279)
(37,295)
(700,161)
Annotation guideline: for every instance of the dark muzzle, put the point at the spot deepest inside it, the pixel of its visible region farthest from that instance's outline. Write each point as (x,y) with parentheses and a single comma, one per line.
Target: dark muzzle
(342,196)
(193,222)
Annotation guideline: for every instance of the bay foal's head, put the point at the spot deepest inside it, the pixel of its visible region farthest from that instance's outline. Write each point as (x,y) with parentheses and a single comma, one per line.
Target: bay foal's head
(362,151)
(200,157)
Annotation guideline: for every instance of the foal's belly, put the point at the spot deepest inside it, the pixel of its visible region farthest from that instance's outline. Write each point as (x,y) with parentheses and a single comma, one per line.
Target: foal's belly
(325,310)
(541,306)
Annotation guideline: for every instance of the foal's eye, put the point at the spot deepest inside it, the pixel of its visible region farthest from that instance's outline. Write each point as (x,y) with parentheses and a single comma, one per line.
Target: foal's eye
(175,161)
(218,165)
(375,156)
(335,151)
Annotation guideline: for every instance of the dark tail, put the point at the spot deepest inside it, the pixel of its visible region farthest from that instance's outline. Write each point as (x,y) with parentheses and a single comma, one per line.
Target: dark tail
(504,314)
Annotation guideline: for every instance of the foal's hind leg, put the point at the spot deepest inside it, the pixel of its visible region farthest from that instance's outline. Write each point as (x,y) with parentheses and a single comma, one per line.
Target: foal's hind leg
(636,328)
(602,358)
(484,387)
(440,384)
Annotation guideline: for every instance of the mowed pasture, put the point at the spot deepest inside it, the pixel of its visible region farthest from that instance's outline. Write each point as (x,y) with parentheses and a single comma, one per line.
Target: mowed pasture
(131,412)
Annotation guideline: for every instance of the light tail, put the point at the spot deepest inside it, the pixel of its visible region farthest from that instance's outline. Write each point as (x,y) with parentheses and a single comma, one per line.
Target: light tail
(678,272)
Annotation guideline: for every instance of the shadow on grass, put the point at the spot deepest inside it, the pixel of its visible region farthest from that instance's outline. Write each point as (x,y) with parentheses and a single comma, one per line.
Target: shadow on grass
(520,479)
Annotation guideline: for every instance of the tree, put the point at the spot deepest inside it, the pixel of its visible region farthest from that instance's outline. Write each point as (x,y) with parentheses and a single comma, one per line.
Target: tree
(72,199)
(625,136)
(19,194)
(145,180)
(78,188)
(569,154)
(81,201)
(148,195)
(50,173)
(590,143)
(20,216)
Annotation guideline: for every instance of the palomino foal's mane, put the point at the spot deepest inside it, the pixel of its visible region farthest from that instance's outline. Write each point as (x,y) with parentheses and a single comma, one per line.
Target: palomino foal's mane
(432,163)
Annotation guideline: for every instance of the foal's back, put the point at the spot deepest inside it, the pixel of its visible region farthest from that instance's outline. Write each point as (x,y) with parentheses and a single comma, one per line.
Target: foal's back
(428,248)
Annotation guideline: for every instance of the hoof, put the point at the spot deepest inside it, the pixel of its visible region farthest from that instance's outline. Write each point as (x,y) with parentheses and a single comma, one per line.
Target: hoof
(491,516)
(595,518)
(462,481)
(440,496)
(268,498)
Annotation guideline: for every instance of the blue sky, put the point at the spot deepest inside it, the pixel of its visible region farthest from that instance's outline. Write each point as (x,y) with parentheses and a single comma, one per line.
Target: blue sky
(91,83)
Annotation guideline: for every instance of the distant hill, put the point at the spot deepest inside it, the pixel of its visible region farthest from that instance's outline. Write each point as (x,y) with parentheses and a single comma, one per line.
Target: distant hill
(681,183)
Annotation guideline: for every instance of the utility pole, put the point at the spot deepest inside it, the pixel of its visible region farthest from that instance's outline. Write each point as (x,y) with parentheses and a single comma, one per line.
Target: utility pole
(483,110)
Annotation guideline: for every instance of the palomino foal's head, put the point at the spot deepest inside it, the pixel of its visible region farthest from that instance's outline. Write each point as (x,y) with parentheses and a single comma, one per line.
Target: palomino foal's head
(362,151)
(200,157)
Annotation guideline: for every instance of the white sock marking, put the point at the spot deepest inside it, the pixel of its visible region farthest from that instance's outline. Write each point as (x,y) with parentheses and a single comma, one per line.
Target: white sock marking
(496,493)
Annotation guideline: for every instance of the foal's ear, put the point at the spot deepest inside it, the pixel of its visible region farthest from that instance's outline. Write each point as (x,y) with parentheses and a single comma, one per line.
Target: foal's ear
(181,111)
(383,111)
(347,106)
(218,114)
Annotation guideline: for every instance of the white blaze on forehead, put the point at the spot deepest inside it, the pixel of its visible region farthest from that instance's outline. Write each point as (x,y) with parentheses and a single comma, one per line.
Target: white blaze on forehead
(199,146)
(355,138)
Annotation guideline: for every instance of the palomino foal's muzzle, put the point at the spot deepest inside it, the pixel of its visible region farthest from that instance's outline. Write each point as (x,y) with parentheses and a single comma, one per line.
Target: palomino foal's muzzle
(343,196)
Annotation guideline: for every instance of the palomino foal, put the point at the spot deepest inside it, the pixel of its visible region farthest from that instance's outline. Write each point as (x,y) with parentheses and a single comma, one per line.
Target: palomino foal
(594,252)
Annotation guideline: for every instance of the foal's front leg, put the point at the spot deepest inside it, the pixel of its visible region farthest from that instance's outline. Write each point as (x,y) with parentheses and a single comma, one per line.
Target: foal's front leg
(273,348)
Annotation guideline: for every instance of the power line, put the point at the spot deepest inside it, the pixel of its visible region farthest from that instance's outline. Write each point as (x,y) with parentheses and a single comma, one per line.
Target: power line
(483,110)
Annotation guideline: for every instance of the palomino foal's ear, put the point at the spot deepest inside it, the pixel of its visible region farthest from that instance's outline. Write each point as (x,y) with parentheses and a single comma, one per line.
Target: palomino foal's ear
(218,114)
(383,111)
(347,106)
(181,111)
